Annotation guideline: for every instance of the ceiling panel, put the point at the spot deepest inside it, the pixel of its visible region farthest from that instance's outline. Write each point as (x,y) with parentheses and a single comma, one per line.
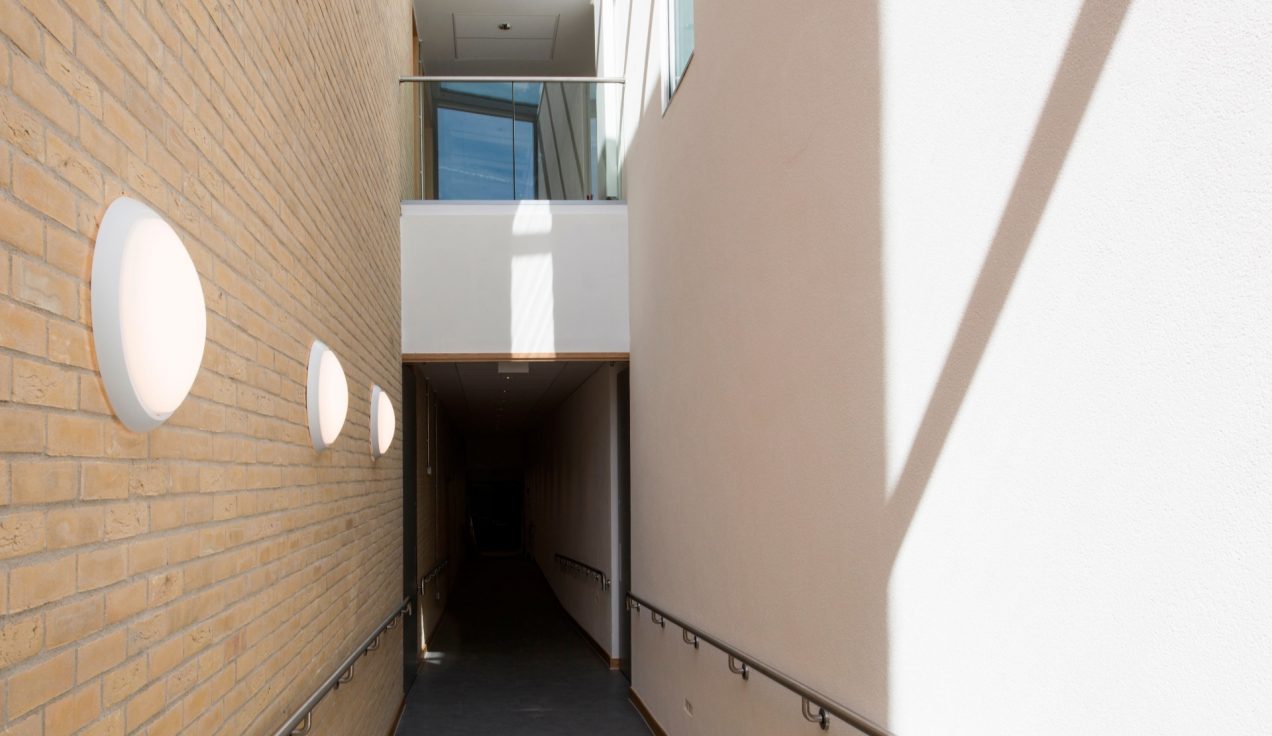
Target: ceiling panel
(503,49)
(442,24)
(473,25)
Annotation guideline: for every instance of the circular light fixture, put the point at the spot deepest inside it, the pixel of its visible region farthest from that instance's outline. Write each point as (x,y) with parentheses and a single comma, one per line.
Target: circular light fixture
(383,422)
(149,318)
(327,396)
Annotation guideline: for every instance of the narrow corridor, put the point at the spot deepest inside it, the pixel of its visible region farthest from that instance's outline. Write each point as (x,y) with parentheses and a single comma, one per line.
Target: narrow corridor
(506,659)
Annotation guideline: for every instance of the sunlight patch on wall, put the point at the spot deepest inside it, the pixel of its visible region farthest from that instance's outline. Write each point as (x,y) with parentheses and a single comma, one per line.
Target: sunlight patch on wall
(533,317)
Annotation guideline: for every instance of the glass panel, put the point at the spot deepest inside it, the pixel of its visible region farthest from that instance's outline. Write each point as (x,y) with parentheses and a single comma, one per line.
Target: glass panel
(503,141)
(474,155)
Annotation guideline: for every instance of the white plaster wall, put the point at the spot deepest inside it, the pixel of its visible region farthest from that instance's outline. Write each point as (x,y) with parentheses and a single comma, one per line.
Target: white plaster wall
(950,362)
(528,277)
(571,492)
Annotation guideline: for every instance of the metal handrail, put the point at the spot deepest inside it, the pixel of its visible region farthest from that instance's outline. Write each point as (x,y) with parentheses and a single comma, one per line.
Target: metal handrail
(302,720)
(741,663)
(585,569)
(432,574)
(595,80)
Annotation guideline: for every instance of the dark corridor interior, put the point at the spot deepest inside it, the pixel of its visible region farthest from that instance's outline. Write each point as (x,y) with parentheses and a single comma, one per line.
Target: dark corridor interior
(493,650)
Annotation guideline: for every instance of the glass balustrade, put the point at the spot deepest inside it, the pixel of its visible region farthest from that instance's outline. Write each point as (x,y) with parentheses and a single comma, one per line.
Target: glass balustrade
(476,139)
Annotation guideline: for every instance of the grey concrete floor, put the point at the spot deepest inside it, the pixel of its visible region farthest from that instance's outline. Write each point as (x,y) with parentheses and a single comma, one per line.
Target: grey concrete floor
(506,659)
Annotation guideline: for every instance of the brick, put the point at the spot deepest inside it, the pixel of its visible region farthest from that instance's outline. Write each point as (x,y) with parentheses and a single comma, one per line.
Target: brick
(89,11)
(75,435)
(21,430)
(125,520)
(21,29)
(67,72)
(38,90)
(166,514)
(144,706)
(70,253)
(167,724)
(73,166)
(92,395)
(111,724)
(21,128)
(164,657)
(101,567)
(54,18)
(146,555)
(124,681)
(31,726)
(126,127)
(20,639)
(164,587)
(39,583)
(39,189)
(21,228)
(105,481)
(74,527)
(73,621)
(69,345)
(45,385)
(125,602)
(21,534)
(73,712)
(99,655)
(45,288)
(41,683)
(145,633)
(44,482)
(101,64)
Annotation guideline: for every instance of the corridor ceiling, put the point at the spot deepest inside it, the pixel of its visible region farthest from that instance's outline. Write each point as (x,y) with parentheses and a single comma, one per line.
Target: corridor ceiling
(543,37)
(482,401)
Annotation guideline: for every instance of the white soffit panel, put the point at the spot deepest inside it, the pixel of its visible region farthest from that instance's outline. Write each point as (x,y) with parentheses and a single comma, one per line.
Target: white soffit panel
(509,49)
(474,25)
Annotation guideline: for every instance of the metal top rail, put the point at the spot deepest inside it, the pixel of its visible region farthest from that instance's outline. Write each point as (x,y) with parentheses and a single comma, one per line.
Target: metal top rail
(584,568)
(302,720)
(596,80)
(741,663)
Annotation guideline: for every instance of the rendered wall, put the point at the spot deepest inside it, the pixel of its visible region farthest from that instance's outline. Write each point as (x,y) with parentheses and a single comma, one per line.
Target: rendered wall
(950,362)
(524,278)
(571,481)
(205,577)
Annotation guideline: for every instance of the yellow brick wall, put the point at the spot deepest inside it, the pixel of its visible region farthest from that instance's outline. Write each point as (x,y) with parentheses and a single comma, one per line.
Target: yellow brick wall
(207,576)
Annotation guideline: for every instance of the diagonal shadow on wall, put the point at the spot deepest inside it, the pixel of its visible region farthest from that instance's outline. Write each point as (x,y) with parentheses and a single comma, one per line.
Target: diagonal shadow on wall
(1094,32)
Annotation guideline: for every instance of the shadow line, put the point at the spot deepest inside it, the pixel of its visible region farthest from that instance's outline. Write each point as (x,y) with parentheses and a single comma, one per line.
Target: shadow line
(1090,42)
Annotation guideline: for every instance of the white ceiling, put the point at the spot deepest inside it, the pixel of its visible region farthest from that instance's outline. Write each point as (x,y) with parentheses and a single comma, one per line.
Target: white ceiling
(545,38)
(483,401)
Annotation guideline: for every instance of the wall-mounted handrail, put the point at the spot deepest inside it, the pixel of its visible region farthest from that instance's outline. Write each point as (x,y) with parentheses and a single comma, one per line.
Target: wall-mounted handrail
(302,720)
(596,80)
(432,574)
(572,565)
(816,706)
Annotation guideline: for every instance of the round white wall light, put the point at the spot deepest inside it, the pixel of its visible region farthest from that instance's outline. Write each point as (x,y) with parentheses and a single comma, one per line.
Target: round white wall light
(149,318)
(383,421)
(328,396)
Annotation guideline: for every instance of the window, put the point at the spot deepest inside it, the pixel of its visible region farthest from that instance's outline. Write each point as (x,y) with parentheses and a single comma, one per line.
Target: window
(680,43)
